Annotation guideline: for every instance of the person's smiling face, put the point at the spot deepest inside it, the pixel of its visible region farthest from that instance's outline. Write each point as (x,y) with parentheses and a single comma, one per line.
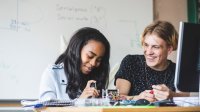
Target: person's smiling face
(91,56)
(156,51)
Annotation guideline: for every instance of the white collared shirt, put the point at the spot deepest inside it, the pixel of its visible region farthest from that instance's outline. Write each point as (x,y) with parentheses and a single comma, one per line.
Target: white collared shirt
(53,83)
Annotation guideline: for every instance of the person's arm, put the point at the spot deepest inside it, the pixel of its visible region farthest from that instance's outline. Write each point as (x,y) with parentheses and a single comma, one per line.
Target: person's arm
(123,76)
(123,86)
(162,92)
(181,94)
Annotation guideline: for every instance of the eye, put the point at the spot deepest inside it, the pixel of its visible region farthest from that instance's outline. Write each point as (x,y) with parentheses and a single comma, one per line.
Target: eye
(156,47)
(90,56)
(145,45)
(99,60)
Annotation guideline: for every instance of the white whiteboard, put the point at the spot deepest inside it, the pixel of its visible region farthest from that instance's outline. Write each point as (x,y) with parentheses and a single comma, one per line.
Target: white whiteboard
(30,32)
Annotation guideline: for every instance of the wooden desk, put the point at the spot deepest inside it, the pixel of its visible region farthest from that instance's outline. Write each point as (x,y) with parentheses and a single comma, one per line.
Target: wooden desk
(7,103)
(119,109)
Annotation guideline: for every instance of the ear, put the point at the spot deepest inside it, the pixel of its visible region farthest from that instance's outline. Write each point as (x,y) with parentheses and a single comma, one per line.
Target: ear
(170,49)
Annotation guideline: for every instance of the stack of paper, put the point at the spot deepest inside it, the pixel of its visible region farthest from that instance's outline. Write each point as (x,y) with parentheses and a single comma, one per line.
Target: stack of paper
(186,101)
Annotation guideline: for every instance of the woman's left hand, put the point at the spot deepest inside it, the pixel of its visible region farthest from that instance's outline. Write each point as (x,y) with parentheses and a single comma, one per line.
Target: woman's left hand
(162,92)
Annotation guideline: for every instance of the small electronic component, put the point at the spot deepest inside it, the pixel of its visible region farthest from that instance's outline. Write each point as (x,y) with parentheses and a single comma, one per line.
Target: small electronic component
(93,85)
(113,94)
(151,92)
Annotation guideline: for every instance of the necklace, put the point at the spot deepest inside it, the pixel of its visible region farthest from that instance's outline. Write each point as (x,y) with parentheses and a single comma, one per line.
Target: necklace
(155,80)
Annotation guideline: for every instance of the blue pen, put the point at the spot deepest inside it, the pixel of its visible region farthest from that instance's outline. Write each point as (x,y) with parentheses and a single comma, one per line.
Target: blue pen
(35,106)
(38,105)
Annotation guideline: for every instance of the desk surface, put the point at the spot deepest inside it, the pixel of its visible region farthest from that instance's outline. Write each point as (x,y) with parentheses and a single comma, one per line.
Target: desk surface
(119,109)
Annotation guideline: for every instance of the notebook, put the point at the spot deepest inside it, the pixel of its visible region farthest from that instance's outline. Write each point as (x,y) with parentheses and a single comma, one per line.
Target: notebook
(47,103)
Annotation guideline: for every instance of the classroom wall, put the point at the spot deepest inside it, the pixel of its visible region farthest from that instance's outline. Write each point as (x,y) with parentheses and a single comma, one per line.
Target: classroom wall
(173,11)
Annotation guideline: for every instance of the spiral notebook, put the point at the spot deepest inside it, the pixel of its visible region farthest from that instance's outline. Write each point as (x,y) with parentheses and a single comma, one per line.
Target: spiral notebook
(47,103)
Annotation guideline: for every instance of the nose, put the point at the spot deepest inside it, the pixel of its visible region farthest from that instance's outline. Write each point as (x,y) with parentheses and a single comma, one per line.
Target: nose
(148,50)
(93,62)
